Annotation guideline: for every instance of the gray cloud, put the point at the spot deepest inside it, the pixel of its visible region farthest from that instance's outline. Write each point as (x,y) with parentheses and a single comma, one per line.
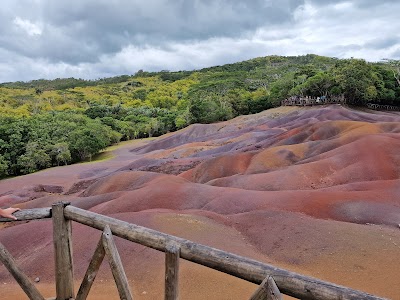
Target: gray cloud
(90,39)
(382,42)
(77,31)
(358,3)
(180,19)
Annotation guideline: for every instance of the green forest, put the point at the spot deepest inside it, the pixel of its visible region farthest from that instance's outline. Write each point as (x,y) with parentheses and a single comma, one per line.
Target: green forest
(46,123)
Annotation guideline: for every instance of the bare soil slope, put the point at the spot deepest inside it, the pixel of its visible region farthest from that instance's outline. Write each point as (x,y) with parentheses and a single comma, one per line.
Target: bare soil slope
(314,190)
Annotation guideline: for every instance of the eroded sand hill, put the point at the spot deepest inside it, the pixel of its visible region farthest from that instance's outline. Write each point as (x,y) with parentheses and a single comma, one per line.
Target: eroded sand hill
(314,190)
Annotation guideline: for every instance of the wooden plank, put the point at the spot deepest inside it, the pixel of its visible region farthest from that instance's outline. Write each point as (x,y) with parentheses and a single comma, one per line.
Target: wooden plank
(172,252)
(116,265)
(290,283)
(91,271)
(267,291)
(30,214)
(62,253)
(26,284)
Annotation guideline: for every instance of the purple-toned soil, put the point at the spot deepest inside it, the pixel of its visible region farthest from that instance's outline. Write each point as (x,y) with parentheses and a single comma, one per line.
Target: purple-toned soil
(313,190)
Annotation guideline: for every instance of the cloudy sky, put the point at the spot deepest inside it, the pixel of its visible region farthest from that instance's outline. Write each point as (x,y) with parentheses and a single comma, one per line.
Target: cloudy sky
(100,38)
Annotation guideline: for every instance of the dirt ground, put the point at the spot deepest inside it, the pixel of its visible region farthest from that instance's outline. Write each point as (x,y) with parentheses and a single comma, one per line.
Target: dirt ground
(312,190)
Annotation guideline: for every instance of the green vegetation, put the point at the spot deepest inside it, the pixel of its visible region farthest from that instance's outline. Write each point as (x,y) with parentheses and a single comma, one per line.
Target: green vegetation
(46,123)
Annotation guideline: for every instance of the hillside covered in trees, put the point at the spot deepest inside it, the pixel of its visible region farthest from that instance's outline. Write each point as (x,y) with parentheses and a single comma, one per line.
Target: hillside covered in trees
(46,123)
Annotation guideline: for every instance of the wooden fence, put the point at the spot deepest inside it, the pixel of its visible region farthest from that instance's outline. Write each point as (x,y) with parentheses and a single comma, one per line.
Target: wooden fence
(311,101)
(383,107)
(272,280)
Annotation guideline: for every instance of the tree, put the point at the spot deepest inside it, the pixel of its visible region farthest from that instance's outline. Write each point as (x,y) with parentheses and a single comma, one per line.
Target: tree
(386,86)
(14,134)
(60,153)
(3,166)
(84,144)
(209,109)
(34,159)
(98,111)
(318,85)
(309,70)
(180,122)
(239,100)
(90,139)
(395,67)
(260,100)
(356,79)
(280,89)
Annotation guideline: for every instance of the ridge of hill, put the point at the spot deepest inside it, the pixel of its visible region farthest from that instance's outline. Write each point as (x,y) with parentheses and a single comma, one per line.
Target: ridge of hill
(274,61)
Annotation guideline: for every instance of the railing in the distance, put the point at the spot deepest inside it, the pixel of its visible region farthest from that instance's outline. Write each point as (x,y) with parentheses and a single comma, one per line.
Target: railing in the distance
(312,101)
(383,107)
(289,283)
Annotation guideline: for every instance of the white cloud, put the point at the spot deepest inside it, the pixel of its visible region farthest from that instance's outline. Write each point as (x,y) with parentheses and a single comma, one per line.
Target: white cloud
(343,6)
(30,28)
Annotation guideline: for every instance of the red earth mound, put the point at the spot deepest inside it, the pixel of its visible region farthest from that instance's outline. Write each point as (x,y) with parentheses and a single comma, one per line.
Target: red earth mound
(313,190)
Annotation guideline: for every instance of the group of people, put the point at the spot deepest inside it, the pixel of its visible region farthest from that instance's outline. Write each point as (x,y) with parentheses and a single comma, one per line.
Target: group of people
(309,100)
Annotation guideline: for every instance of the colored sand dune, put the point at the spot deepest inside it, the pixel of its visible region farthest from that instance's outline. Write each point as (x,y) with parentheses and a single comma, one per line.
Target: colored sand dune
(314,190)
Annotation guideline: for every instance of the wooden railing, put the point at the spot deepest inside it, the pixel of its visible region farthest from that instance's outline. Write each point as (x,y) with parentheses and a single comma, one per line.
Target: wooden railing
(383,107)
(311,101)
(272,280)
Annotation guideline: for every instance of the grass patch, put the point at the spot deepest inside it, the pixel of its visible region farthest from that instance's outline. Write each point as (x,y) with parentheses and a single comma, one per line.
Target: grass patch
(102,156)
(107,154)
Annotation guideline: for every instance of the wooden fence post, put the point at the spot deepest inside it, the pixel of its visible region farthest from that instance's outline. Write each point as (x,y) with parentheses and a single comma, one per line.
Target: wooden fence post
(172,253)
(91,272)
(62,253)
(115,263)
(267,291)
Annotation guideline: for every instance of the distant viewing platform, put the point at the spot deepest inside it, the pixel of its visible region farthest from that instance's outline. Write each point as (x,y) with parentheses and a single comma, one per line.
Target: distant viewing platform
(310,101)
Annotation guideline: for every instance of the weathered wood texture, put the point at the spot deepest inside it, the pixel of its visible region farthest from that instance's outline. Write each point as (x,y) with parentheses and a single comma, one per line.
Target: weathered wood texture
(172,253)
(267,291)
(62,253)
(26,284)
(290,283)
(116,265)
(91,272)
(30,214)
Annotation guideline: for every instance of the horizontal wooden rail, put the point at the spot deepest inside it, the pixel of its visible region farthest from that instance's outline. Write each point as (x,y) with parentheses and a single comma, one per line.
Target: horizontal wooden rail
(30,214)
(289,283)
